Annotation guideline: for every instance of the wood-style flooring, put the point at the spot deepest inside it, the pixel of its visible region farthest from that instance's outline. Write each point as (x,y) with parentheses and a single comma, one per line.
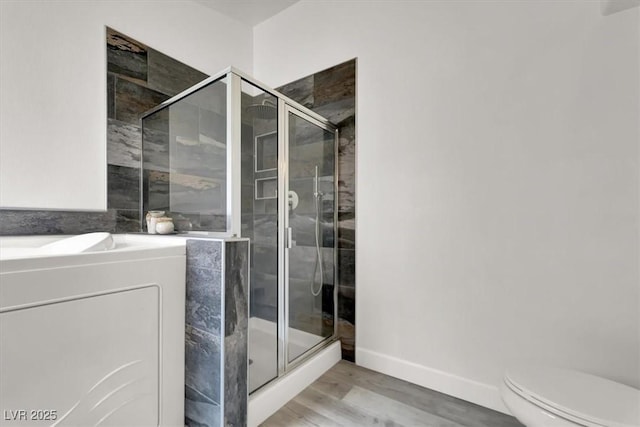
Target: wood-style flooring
(349,395)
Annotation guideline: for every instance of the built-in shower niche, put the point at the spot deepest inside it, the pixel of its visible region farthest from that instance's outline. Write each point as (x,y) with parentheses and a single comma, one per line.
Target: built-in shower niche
(266,149)
(185,160)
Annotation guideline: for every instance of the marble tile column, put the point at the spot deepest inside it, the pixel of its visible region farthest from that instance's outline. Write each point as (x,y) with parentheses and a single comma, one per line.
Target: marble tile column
(216,332)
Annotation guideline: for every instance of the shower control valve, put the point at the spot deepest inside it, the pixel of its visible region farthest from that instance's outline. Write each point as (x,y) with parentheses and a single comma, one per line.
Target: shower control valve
(294,200)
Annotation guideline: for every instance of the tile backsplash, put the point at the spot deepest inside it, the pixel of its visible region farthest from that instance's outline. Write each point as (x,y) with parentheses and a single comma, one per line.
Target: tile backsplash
(138,79)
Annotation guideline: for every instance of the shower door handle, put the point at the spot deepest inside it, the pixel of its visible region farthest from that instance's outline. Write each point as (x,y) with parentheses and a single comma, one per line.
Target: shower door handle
(289,238)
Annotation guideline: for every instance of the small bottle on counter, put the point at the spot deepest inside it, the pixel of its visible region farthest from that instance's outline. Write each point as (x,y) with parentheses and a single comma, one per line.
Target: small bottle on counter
(152,219)
(164,225)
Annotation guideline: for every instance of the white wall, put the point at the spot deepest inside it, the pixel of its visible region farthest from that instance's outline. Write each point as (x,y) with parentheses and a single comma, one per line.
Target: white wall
(497,182)
(53,86)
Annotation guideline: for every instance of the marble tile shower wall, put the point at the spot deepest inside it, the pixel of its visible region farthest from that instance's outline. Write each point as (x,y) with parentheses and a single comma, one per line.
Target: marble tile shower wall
(138,79)
(185,160)
(332,94)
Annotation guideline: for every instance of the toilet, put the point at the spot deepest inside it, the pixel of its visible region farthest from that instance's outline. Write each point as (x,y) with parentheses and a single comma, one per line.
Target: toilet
(551,397)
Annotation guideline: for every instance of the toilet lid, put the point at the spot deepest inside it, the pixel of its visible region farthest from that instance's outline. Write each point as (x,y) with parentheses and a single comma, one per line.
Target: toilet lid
(577,396)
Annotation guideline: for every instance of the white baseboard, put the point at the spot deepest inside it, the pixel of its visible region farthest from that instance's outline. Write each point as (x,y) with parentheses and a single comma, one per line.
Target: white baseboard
(266,401)
(444,382)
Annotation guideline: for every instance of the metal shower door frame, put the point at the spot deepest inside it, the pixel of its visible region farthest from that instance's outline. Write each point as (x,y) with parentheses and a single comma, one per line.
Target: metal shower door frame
(233,191)
(284,235)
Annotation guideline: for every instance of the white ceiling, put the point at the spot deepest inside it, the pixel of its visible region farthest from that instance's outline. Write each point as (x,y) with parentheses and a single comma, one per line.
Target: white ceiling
(250,12)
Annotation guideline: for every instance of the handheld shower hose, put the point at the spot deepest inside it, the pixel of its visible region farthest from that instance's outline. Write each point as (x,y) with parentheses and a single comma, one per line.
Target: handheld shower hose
(318,198)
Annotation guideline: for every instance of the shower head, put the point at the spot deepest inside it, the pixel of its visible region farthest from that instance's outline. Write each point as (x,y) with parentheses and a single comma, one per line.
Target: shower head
(266,110)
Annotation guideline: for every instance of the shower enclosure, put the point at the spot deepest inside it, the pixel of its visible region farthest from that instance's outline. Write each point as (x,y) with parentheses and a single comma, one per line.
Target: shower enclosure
(231,157)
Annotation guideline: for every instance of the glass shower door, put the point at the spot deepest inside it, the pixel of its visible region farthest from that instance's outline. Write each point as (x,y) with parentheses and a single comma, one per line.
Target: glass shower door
(310,253)
(259,215)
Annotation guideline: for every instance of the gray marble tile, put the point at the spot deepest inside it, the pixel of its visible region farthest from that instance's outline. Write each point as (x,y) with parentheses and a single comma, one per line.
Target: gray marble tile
(123,187)
(195,194)
(300,90)
(346,168)
(126,56)
(204,299)
(303,263)
(337,112)
(123,144)
(111,96)
(264,295)
(194,152)
(265,229)
(346,267)
(247,225)
(211,97)
(204,254)
(235,390)
(34,222)
(211,223)
(158,120)
(347,303)
(246,139)
(335,83)
(157,155)
(311,314)
(236,277)
(346,230)
(262,281)
(301,132)
(156,192)
(236,332)
(271,207)
(303,159)
(203,353)
(304,231)
(207,347)
(265,259)
(213,125)
(262,126)
(133,99)
(127,220)
(203,160)
(346,197)
(304,187)
(347,335)
(246,100)
(170,76)
(184,117)
(189,196)
(247,194)
(200,411)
